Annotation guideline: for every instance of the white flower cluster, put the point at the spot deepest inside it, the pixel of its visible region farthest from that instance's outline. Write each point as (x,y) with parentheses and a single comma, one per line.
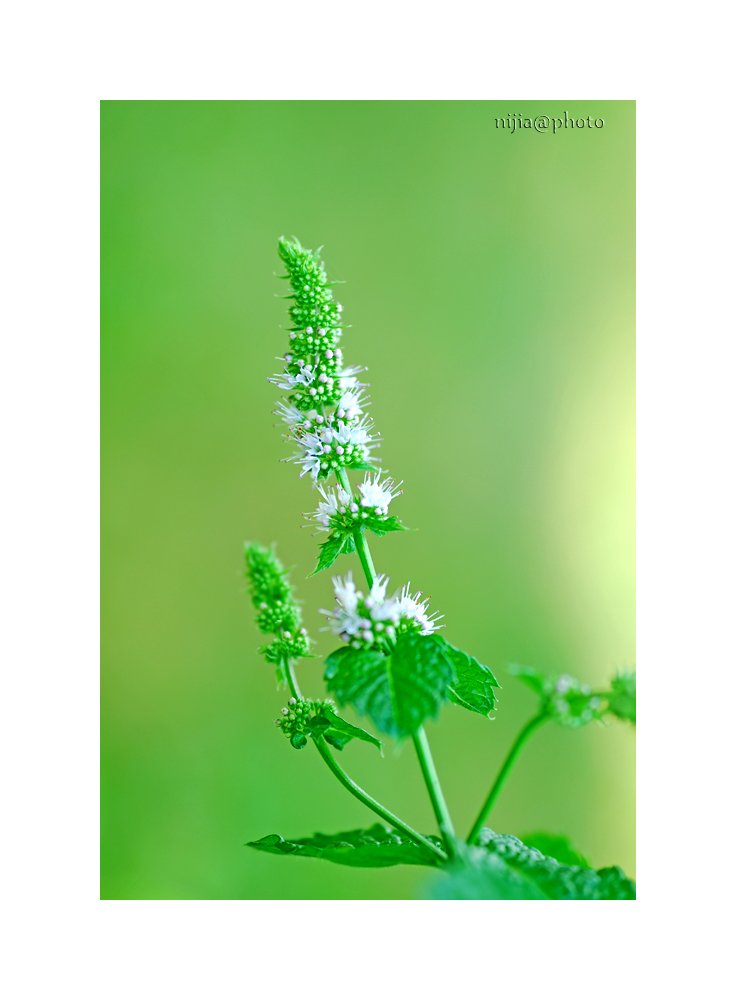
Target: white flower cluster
(326,441)
(367,621)
(338,509)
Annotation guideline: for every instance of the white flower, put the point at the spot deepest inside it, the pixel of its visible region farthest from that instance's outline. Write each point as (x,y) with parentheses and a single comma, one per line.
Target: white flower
(288,381)
(346,594)
(410,607)
(344,620)
(289,414)
(378,495)
(329,507)
(347,379)
(309,449)
(356,434)
(351,404)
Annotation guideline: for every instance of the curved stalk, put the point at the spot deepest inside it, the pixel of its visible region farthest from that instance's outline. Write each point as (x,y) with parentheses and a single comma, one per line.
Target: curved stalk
(291,679)
(347,782)
(498,784)
(369,801)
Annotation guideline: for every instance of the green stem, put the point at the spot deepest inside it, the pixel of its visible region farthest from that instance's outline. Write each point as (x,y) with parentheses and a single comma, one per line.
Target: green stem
(361,545)
(291,679)
(498,784)
(364,554)
(431,780)
(348,782)
(421,744)
(367,800)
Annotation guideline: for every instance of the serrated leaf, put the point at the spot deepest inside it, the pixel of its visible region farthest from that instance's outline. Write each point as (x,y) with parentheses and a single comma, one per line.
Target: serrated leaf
(376,847)
(473,688)
(330,550)
(338,732)
(556,846)
(505,868)
(397,691)
(484,876)
(382,525)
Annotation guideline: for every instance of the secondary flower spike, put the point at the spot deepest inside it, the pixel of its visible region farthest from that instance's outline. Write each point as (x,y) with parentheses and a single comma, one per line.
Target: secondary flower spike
(324,412)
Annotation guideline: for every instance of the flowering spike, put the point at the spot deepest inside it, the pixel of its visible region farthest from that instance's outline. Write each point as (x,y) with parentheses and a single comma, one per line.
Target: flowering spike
(324,412)
(278,612)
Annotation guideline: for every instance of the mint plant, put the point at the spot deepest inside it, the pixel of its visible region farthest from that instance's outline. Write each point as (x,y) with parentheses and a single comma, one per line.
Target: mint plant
(393,666)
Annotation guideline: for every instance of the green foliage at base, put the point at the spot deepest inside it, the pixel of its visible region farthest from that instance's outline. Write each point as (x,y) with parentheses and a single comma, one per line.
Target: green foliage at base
(377,847)
(502,867)
(556,846)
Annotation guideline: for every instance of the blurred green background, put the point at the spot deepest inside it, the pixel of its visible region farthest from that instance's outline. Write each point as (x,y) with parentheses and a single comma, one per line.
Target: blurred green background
(490,287)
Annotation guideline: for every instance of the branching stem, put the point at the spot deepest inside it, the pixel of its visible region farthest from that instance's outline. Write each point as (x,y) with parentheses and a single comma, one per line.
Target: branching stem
(352,787)
(503,774)
(369,801)
(421,744)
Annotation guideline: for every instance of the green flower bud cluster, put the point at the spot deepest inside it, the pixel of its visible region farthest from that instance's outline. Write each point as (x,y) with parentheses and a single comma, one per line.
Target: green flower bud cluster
(278,612)
(279,615)
(571,703)
(286,647)
(562,697)
(622,699)
(316,327)
(297,718)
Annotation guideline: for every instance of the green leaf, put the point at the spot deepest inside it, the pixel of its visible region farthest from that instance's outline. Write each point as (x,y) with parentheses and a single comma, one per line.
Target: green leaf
(483,876)
(563,698)
(622,699)
(382,525)
(474,686)
(338,732)
(364,465)
(377,847)
(558,847)
(330,550)
(397,691)
(530,676)
(505,868)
